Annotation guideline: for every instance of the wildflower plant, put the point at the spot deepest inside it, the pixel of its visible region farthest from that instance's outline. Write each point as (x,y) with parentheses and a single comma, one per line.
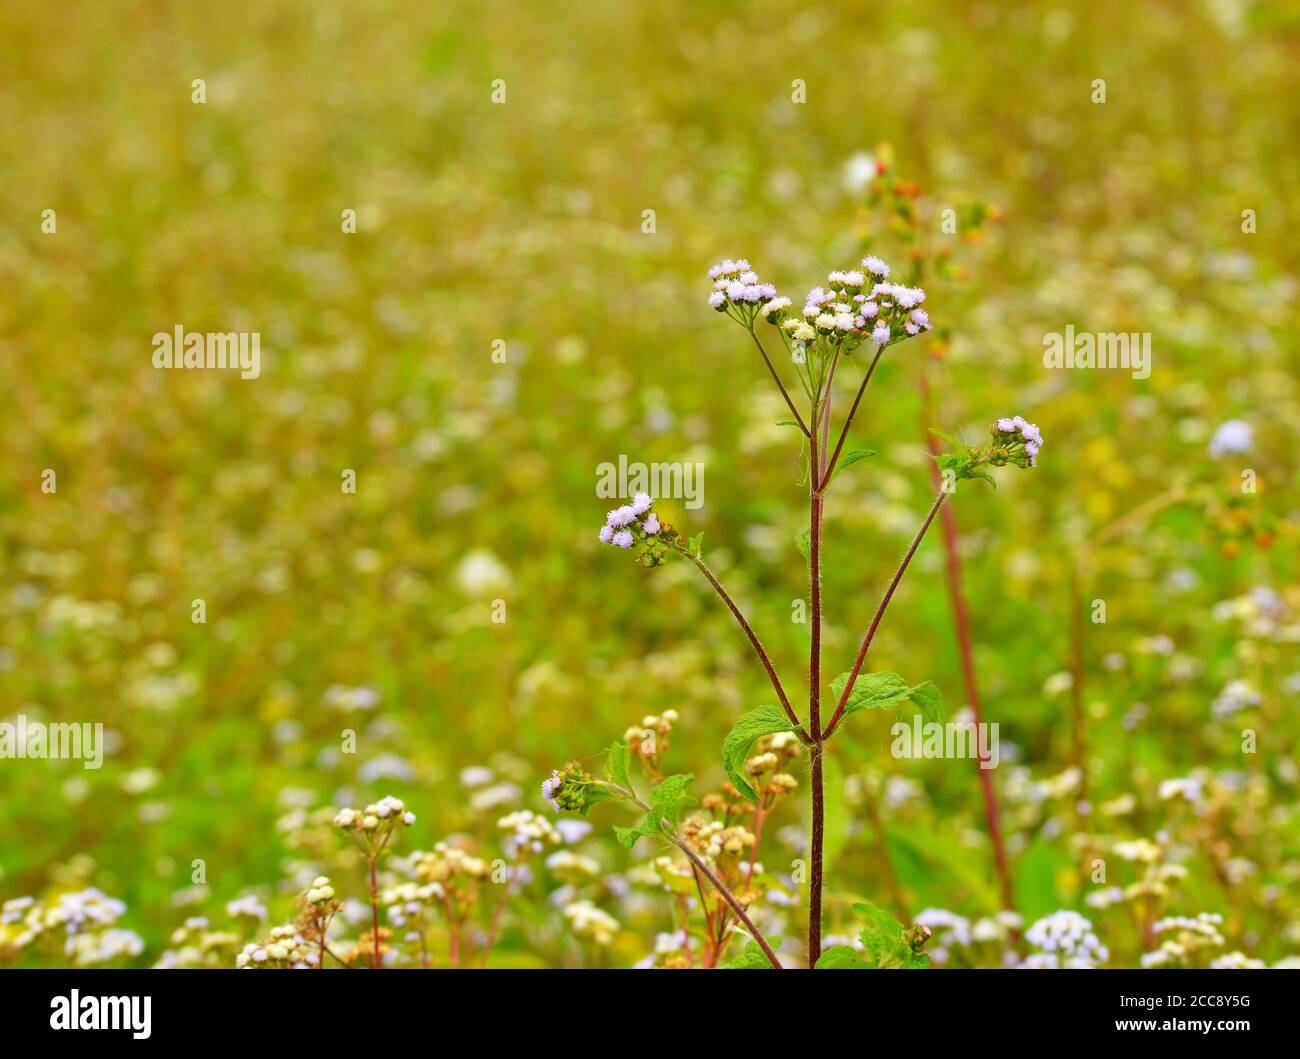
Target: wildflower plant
(845,325)
(372,828)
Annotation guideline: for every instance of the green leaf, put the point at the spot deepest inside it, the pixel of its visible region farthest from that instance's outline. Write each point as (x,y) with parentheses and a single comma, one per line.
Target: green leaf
(669,799)
(849,459)
(758,722)
(886,691)
(618,761)
(882,937)
(594,794)
(929,701)
(804,543)
(842,958)
(752,958)
(871,691)
(695,546)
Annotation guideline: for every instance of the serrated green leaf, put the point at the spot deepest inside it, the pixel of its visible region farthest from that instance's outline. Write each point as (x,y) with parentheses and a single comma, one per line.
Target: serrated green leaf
(695,546)
(804,543)
(618,761)
(667,801)
(849,459)
(882,937)
(764,720)
(669,798)
(842,958)
(593,795)
(751,958)
(929,701)
(871,691)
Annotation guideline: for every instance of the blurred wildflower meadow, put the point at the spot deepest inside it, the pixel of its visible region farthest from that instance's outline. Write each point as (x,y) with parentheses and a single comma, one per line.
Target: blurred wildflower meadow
(277,658)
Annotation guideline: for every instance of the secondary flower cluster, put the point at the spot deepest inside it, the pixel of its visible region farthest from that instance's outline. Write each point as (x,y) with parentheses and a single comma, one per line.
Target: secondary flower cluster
(384,815)
(1067,940)
(572,789)
(736,286)
(84,921)
(1018,440)
(854,305)
(287,947)
(528,833)
(635,523)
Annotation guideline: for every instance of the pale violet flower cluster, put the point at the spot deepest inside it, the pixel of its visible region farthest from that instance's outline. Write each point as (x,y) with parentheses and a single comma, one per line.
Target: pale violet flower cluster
(527,833)
(85,919)
(249,906)
(1236,695)
(1233,437)
(855,305)
(736,284)
(623,523)
(1066,940)
(1024,432)
(551,787)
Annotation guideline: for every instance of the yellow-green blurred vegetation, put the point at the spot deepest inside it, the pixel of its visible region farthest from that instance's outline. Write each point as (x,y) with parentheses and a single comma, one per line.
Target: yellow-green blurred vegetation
(522,222)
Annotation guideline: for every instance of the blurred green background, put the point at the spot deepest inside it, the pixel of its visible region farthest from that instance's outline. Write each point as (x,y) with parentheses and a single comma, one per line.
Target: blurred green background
(522,222)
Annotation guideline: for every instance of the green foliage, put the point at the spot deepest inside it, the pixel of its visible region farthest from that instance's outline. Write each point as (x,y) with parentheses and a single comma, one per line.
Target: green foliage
(667,802)
(804,543)
(884,940)
(752,958)
(618,760)
(886,691)
(850,458)
(761,721)
(842,958)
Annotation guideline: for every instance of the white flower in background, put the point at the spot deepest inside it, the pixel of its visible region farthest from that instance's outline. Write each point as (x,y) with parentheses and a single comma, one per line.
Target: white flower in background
(1067,940)
(248,905)
(481,571)
(1233,437)
(859,172)
(586,920)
